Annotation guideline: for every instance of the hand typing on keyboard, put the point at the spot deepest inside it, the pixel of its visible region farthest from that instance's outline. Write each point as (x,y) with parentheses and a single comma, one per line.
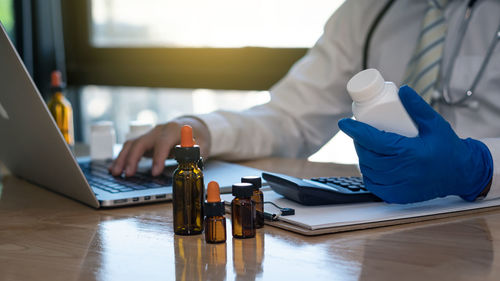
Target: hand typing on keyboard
(158,144)
(99,177)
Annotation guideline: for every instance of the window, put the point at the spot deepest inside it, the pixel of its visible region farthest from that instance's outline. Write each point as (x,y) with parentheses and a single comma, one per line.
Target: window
(153,106)
(154,60)
(201,23)
(189,44)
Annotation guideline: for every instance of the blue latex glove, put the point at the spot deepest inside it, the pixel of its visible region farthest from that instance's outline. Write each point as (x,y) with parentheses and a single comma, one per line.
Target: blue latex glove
(434,164)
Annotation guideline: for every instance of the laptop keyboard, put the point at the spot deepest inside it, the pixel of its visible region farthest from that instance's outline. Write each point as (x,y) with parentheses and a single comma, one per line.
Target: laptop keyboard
(98,176)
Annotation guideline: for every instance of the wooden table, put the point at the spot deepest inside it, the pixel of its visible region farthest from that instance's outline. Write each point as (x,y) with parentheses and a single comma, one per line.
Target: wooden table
(44,236)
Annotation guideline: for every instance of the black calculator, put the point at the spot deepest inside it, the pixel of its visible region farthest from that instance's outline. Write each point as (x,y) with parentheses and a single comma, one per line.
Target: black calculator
(320,191)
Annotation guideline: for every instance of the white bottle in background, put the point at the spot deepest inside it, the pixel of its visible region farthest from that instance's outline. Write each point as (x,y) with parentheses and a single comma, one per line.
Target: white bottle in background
(377,103)
(102,140)
(137,129)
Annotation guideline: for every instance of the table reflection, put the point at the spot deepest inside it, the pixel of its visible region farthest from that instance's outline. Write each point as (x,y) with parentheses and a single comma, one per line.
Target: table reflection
(129,249)
(197,260)
(464,250)
(44,236)
(248,255)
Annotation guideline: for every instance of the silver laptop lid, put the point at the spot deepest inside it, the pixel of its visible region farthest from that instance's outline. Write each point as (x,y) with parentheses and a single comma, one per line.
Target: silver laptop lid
(31,145)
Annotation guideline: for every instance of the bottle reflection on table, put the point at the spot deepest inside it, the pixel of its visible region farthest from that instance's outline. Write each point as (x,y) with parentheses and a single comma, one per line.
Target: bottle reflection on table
(197,260)
(248,255)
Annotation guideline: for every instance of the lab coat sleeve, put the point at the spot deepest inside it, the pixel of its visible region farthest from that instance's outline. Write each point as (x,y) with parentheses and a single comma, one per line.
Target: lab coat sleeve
(493,145)
(305,105)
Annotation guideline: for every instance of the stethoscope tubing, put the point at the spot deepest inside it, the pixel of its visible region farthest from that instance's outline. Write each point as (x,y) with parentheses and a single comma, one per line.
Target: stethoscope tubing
(445,96)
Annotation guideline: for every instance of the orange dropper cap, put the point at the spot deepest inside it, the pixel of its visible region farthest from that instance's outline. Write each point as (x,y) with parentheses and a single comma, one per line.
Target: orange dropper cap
(213,192)
(187,136)
(214,206)
(55,79)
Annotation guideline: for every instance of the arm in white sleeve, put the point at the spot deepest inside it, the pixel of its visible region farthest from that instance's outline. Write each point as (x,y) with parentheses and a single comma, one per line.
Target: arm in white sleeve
(306,104)
(493,145)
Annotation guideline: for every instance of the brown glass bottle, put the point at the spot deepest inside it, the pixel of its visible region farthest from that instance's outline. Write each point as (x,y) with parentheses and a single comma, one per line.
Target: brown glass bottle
(188,188)
(61,109)
(215,229)
(258,198)
(243,211)
(215,222)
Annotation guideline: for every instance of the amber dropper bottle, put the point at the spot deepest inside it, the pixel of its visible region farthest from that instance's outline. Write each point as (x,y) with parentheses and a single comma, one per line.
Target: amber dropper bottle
(243,211)
(61,109)
(258,199)
(215,222)
(188,188)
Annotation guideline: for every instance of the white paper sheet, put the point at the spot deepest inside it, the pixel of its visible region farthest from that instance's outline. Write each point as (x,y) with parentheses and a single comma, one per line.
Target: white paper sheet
(320,217)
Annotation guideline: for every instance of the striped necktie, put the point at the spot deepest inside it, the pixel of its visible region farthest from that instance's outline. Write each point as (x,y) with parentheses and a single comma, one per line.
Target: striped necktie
(423,68)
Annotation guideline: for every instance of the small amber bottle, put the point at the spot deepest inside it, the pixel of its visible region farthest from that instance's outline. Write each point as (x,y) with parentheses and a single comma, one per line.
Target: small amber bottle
(215,222)
(61,109)
(243,211)
(188,188)
(258,199)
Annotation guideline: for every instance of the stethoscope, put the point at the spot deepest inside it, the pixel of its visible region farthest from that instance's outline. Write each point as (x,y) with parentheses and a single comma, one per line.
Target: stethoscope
(445,96)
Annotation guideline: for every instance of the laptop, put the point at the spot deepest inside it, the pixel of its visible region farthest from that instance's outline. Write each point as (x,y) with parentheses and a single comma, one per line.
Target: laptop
(32,147)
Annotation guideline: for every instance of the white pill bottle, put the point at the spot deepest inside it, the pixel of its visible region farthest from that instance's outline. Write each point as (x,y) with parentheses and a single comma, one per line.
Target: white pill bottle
(102,140)
(376,102)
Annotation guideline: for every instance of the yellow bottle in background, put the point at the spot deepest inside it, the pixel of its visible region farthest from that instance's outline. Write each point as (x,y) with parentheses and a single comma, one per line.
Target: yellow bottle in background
(61,109)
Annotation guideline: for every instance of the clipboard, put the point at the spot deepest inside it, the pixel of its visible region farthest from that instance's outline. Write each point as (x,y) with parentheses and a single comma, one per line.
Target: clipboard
(317,220)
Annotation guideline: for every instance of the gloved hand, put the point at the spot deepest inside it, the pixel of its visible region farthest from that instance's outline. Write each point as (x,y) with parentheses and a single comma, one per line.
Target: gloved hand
(434,164)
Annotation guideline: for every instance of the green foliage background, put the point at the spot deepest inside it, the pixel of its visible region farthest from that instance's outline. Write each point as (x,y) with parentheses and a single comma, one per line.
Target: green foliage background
(7,16)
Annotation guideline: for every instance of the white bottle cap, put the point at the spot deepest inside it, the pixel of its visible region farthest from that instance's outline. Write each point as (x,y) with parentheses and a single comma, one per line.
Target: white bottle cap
(102,126)
(365,85)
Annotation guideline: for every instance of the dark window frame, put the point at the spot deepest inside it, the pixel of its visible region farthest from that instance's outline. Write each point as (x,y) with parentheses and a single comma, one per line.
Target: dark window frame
(249,68)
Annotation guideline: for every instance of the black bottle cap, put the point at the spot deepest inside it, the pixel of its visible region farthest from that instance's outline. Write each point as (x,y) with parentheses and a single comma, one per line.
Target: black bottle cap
(242,190)
(187,154)
(256,181)
(214,209)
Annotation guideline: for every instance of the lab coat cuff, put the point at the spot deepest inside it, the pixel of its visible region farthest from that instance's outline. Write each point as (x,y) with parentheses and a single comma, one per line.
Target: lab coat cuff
(220,132)
(493,145)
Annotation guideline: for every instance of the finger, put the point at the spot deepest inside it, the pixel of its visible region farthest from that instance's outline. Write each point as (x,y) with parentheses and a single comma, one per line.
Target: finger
(371,138)
(400,193)
(418,109)
(389,177)
(377,161)
(161,152)
(137,150)
(119,163)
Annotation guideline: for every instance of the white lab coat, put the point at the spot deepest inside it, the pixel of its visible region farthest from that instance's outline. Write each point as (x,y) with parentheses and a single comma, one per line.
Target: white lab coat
(307,103)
